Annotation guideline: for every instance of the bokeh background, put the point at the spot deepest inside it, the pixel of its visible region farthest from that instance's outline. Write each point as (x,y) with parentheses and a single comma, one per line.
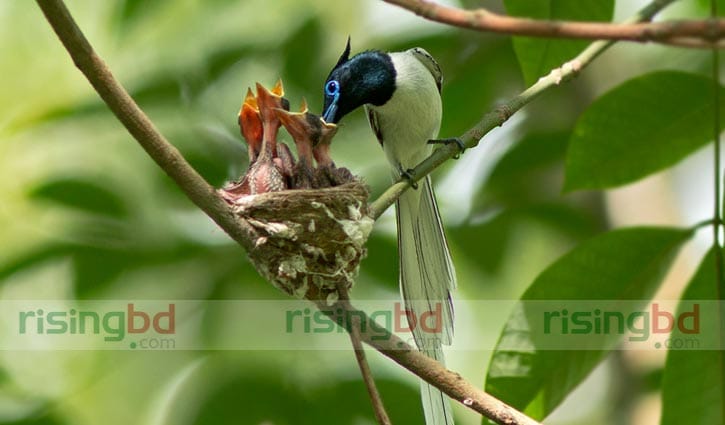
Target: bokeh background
(85,214)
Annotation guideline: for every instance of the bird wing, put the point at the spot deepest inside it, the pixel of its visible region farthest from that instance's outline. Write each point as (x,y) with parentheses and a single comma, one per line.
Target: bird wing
(427,60)
(374,124)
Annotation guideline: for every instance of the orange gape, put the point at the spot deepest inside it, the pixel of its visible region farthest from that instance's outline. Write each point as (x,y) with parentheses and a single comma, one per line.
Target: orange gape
(250,124)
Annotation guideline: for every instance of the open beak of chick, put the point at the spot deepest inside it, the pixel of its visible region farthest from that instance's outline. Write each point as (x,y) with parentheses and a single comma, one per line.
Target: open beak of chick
(268,101)
(250,124)
(303,129)
(321,149)
(311,134)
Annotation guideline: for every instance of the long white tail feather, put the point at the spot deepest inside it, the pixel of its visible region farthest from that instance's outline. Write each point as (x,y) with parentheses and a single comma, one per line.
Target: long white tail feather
(426,279)
(436,406)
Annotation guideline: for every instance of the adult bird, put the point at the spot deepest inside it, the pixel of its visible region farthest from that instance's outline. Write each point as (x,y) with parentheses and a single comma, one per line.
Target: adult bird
(401,94)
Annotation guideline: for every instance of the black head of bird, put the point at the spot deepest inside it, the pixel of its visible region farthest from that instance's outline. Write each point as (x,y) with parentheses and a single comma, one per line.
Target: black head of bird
(366,78)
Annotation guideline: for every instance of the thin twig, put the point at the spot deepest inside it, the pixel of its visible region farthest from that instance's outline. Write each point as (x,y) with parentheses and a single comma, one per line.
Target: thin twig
(378,407)
(717,214)
(501,114)
(426,368)
(704,223)
(691,33)
(716,219)
(204,196)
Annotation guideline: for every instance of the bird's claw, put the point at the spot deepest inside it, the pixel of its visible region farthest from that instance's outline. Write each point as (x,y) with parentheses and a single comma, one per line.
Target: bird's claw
(456,140)
(409,175)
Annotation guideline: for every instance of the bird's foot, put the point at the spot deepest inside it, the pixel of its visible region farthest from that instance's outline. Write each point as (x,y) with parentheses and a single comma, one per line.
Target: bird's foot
(409,175)
(456,140)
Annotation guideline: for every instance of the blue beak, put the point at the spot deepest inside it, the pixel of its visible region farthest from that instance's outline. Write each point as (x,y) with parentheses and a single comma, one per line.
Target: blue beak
(329,114)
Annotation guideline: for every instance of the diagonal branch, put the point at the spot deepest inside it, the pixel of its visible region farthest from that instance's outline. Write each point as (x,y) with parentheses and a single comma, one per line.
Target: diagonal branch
(381,415)
(139,125)
(205,197)
(707,33)
(501,114)
(425,367)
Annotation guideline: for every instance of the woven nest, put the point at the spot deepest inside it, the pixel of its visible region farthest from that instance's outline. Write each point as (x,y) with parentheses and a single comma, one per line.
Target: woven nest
(309,216)
(310,242)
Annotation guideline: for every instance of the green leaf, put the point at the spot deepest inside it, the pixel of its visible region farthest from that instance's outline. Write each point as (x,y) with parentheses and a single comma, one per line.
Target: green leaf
(81,194)
(626,264)
(531,170)
(497,234)
(497,231)
(537,56)
(692,385)
(475,75)
(33,258)
(42,417)
(705,6)
(534,152)
(642,126)
(575,222)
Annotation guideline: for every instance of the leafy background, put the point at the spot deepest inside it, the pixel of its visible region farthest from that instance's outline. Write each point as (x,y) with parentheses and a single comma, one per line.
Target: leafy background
(85,214)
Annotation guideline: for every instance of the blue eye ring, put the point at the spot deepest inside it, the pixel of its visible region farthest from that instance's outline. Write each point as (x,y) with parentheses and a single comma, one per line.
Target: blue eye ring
(332,88)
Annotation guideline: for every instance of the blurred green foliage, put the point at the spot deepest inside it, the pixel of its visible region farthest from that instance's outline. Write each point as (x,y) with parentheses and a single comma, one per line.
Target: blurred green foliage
(626,264)
(538,56)
(85,213)
(692,383)
(674,112)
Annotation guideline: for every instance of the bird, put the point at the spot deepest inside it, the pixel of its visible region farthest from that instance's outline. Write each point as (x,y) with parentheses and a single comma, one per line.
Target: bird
(401,93)
(268,172)
(250,124)
(302,132)
(313,137)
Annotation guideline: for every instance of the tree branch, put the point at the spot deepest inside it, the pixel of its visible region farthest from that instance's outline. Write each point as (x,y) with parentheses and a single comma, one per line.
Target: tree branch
(355,338)
(501,114)
(690,33)
(206,198)
(139,125)
(426,368)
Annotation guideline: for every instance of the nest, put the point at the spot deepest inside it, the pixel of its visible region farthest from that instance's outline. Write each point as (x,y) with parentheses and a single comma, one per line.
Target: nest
(310,242)
(309,217)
